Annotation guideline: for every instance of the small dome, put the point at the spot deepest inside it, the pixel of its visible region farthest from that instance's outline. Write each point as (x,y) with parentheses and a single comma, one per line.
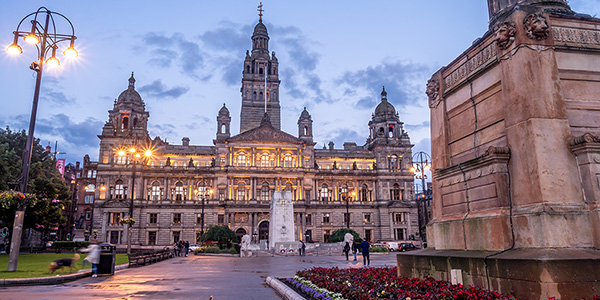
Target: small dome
(304,114)
(260,29)
(384,107)
(223,111)
(130,94)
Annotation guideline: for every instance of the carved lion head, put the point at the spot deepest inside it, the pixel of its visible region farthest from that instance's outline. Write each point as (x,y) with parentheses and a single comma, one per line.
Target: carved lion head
(505,34)
(536,26)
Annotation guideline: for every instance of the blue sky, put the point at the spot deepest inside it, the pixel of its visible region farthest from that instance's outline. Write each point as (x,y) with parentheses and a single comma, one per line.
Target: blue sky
(187,57)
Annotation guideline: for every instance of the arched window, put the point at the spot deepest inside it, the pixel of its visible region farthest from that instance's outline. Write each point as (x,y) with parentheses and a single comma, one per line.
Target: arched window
(179,191)
(325,193)
(260,70)
(381,130)
(120,159)
(260,96)
(119,189)
(125,122)
(344,192)
(203,191)
(265,194)
(264,160)
(391,131)
(305,130)
(247,69)
(288,160)
(135,122)
(223,128)
(241,159)
(393,162)
(396,195)
(155,191)
(254,96)
(364,193)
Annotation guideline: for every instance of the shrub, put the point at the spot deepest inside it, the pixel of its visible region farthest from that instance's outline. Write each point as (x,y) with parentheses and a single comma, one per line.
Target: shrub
(69,244)
(219,233)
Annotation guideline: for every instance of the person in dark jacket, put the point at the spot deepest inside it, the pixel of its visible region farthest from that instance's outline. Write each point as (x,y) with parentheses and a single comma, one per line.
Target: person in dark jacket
(365,252)
(354,250)
(187,247)
(347,249)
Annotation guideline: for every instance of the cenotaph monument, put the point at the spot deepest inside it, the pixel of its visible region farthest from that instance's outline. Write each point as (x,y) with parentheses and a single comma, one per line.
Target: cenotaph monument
(516,155)
(281,224)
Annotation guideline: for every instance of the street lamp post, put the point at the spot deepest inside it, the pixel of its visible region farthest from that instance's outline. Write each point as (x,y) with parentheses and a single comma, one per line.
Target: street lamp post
(210,191)
(348,209)
(46,39)
(136,158)
(421,164)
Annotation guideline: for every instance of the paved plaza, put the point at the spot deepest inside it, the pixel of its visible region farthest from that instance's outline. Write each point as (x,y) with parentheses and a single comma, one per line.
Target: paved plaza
(193,277)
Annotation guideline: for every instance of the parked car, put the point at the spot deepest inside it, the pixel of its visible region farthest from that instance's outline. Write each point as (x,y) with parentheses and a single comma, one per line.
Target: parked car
(407,247)
(194,247)
(392,246)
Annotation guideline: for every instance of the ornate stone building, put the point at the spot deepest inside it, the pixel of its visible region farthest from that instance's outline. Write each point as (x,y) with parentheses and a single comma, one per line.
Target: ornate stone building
(177,191)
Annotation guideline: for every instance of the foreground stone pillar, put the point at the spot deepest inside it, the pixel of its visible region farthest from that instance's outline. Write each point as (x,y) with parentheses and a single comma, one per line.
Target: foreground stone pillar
(516,152)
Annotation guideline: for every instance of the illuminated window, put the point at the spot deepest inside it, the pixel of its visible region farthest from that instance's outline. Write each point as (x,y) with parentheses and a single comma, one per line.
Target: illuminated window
(288,161)
(400,218)
(325,193)
(121,159)
(119,189)
(325,218)
(203,191)
(115,218)
(344,192)
(155,191)
(241,192)
(241,159)
(264,160)
(367,218)
(179,191)
(177,218)
(394,162)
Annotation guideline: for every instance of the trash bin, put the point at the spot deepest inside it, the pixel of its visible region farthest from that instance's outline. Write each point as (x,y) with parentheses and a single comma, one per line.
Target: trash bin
(107,259)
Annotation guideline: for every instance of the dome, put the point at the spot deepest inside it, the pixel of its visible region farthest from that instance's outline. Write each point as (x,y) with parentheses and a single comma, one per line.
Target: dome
(304,114)
(130,94)
(223,111)
(260,29)
(384,107)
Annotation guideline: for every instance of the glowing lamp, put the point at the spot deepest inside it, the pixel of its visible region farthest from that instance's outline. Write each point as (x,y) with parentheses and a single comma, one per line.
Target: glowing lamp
(137,155)
(14,49)
(32,39)
(148,153)
(53,62)
(103,188)
(412,169)
(121,153)
(132,150)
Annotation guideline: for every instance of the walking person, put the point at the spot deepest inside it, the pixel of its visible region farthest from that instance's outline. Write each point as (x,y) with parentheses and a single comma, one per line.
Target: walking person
(299,248)
(303,249)
(93,257)
(354,250)
(365,252)
(346,249)
(187,247)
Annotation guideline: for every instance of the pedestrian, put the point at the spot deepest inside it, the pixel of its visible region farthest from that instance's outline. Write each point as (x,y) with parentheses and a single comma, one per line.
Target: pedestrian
(187,248)
(354,250)
(346,249)
(300,248)
(179,247)
(303,249)
(365,252)
(93,257)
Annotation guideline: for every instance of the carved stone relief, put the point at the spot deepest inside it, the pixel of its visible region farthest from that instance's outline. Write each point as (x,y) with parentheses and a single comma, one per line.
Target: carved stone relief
(576,35)
(432,92)
(536,27)
(482,57)
(505,34)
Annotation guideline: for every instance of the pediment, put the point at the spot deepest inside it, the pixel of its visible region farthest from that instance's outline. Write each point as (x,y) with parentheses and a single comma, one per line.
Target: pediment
(265,133)
(115,203)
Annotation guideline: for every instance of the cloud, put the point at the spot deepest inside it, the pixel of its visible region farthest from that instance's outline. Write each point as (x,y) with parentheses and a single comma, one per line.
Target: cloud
(228,37)
(164,130)
(158,90)
(403,82)
(74,138)
(175,48)
(416,127)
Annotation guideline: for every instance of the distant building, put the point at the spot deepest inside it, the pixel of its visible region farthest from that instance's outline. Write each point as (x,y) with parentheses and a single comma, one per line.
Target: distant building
(180,190)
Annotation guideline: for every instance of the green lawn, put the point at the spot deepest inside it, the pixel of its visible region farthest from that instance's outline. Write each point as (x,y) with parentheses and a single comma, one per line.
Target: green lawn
(36,265)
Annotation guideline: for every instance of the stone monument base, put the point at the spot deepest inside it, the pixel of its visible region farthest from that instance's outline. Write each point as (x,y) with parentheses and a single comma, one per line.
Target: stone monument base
(524,273)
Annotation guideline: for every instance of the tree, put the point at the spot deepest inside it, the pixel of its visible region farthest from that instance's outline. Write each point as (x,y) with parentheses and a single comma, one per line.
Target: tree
(47,192)
(338,236)
(219,233)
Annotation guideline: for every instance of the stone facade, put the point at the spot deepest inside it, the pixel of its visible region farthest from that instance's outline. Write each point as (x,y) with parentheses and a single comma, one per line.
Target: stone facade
(177,191)
(514,124)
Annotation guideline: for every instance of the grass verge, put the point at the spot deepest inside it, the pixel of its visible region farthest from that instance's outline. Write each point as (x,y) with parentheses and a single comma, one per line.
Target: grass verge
(36,265)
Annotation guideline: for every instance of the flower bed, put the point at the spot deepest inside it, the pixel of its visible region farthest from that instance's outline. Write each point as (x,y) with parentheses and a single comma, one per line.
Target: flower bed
(383,283)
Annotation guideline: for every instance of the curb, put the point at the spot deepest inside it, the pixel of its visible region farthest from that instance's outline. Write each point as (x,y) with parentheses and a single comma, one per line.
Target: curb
(282,289)
(50,280)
